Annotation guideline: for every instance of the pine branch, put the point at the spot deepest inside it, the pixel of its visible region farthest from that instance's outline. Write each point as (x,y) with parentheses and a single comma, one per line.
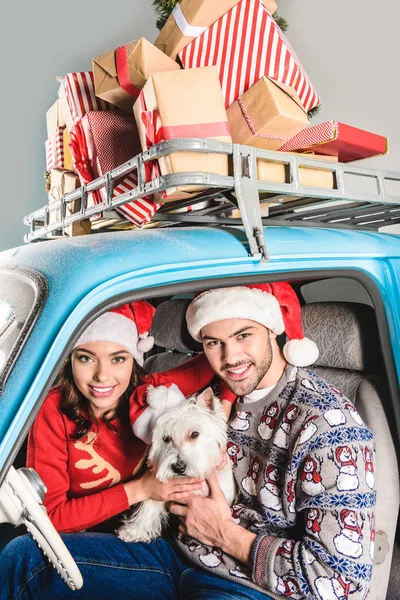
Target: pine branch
(281,22)
(313,112)
(163,10)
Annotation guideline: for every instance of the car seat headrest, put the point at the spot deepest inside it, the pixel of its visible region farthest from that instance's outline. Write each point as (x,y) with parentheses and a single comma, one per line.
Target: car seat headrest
(345,333)
(169,327)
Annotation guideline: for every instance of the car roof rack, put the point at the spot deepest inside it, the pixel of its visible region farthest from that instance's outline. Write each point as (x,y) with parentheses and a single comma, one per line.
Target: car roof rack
(360,198)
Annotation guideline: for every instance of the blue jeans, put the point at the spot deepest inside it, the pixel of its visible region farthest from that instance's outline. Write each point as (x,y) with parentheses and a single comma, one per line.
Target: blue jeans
(112,568)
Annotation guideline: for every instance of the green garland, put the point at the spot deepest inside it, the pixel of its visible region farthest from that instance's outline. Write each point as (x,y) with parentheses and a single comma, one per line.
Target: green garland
(164,8)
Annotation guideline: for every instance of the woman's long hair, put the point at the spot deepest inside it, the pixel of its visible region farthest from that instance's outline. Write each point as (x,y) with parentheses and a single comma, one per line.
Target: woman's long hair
(77,408)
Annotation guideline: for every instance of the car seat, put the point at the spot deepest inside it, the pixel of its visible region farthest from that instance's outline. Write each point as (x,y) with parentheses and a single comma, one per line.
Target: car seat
(171,337)
(351,360)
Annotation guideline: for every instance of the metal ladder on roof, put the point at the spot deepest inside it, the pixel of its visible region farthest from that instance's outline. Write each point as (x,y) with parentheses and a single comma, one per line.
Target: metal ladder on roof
(239,199)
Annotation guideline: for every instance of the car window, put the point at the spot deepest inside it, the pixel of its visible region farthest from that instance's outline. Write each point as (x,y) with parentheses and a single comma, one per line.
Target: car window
(23,293)
(336,289)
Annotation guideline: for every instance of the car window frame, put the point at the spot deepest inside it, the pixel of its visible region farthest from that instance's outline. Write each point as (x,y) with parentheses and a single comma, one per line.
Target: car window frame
(228,281)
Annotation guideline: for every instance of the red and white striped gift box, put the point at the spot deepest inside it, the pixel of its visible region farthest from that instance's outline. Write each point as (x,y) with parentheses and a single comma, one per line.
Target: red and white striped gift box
(55,150)
(332,138)
(77,97)
(102,141)
(246,44)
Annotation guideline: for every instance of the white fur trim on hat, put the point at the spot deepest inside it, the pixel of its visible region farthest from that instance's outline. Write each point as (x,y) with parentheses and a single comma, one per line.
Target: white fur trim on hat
(234,303)
(301,353)
(114,327)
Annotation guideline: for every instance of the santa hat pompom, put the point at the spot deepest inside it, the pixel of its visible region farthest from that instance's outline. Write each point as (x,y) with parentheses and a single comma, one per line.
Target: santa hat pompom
(301,353)
(146,343)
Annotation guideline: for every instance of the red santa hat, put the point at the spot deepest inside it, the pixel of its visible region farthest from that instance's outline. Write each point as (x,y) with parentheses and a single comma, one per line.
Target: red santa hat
(274,305)
(127,325)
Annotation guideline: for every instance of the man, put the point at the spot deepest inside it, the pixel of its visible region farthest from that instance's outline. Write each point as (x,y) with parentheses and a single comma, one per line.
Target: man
(293,533)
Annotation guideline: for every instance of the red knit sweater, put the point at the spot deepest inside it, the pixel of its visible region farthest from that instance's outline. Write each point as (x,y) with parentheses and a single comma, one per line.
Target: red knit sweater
(85,477)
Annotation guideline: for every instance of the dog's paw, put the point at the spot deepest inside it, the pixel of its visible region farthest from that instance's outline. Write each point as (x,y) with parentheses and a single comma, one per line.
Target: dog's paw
(162,397)
(126,534)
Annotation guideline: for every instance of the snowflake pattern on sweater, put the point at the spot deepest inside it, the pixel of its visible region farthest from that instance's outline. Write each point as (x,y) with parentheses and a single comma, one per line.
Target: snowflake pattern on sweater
(303,463)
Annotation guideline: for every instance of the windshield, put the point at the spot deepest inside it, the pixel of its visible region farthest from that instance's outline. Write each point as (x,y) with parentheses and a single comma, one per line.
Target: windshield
(22,296)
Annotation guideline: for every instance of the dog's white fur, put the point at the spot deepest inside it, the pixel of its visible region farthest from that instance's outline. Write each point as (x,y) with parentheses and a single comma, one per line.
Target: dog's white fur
(176,418)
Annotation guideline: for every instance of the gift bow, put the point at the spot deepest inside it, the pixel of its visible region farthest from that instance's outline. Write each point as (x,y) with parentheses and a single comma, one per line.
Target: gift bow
(79,152)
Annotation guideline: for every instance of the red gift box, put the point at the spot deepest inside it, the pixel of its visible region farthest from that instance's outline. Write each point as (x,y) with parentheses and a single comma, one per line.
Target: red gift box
(77,97)
(102,141)
(336,139)
(247,44)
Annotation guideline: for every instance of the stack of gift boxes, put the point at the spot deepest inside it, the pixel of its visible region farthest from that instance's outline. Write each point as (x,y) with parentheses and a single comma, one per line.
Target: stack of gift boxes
(221,70)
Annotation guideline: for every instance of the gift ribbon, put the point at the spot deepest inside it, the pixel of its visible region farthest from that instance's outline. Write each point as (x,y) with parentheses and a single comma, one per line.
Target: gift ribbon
(80,155)
(155,135)
(185,27)
(253,129)
(121,59)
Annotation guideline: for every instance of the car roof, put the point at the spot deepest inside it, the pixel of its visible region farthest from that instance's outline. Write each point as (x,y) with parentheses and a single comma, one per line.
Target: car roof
(93,259)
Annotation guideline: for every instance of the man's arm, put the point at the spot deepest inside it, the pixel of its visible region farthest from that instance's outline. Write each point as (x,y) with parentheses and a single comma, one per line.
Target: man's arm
(209,521)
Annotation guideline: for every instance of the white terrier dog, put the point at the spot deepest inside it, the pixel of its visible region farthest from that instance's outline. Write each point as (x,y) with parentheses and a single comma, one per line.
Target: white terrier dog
(189,437)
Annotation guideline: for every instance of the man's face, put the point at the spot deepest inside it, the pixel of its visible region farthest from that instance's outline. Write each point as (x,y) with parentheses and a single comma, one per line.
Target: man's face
(239,351)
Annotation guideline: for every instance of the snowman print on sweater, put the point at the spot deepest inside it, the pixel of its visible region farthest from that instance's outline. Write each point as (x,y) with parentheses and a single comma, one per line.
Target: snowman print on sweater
(212,559)
(335,417)
(347,479)
(349,541)
(353,413)
(285,550)
(311,481)
(313,522)
(241,422)
(290,496)
(308,429)
(372,535)
(269,493)
(253,475)
(288,586)
(268,421)
(281,439)
(369,468)
(235,453)
(335,588)
(241,571)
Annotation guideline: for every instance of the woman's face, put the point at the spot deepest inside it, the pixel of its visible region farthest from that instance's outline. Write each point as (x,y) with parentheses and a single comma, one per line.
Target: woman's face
(102,372)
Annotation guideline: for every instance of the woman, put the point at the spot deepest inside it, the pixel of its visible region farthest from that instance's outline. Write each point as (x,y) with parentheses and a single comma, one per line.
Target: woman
(81,443)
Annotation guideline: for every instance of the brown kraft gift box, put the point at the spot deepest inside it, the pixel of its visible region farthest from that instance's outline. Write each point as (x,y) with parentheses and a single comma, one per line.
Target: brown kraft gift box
(277,172)
(54,119)
(63,182)
(193,16)
(120,74)
(267,115)
(187,103)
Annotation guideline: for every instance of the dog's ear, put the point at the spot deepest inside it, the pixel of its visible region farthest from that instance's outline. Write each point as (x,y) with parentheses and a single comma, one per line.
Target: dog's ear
(207,399)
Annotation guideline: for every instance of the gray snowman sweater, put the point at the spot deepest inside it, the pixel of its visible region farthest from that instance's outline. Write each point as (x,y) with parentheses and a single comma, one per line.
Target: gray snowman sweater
(303,461)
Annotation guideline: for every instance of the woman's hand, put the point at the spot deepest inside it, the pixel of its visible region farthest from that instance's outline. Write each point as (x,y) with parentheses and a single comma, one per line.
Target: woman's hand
(148,487)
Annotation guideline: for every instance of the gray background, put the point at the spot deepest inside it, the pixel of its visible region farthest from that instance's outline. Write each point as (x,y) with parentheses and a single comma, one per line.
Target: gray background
(350,50)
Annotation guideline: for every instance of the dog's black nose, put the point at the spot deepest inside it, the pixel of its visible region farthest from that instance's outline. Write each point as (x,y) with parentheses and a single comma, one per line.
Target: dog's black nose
(179,467)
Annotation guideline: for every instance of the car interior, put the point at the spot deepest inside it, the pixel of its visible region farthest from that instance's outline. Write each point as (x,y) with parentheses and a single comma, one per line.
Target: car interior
(339,315)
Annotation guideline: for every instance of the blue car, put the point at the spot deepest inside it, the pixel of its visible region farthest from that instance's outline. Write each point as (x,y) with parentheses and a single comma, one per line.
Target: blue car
(346,274)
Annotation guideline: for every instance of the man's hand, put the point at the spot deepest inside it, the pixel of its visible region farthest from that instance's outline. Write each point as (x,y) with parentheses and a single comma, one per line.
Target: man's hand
(209,521)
